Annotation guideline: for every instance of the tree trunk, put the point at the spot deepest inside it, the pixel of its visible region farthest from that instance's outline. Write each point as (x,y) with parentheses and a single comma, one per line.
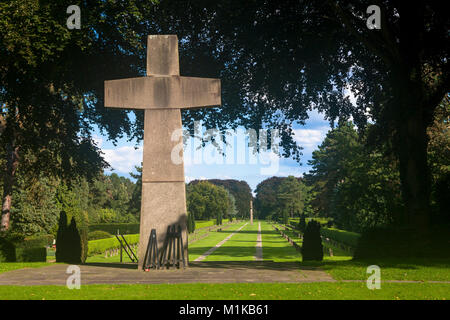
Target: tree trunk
(412,142)
(12,161)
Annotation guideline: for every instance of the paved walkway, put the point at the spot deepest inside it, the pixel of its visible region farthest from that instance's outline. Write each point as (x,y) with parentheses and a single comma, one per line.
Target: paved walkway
(198,272)
(259,248)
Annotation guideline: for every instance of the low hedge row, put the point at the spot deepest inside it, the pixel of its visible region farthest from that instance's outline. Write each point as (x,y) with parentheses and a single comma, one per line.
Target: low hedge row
(97,235)
(38,241)
(346,237)
(36,254)
(124,228)
(21,252)
(100,246)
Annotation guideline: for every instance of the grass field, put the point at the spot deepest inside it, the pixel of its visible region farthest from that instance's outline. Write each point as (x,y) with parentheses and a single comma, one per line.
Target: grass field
(241,247)
(240,291)
(9,266)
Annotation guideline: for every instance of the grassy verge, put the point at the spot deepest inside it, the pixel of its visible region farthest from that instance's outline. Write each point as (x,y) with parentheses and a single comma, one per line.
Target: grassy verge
(201,246)
(232,291)
(240,247)
(275,247)
(408,269)
(9,266)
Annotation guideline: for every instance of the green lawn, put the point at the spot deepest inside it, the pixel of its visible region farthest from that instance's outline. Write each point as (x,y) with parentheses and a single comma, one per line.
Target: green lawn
(411,269)
(201,246)
(9,266)
(241,247)
(232,291)
(207,223)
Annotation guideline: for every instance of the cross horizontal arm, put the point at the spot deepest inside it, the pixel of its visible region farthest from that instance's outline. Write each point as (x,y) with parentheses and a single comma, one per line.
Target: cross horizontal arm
(161,92)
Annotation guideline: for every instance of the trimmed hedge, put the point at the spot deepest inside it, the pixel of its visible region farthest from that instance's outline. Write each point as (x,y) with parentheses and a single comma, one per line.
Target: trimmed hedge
(346,237)
(100,246)
(7,251)
(35,254)
(111,228)
(97,235)
(38,241)
(21,252)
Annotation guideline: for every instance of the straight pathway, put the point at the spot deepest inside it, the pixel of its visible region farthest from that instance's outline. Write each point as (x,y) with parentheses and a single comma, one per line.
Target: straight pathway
(259,248)
(217,246)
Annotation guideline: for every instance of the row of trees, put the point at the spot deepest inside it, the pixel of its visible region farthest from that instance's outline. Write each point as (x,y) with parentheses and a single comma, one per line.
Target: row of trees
(357,184)
(360,187)
(240,194)
(39,201)
(281,198)
(206,201)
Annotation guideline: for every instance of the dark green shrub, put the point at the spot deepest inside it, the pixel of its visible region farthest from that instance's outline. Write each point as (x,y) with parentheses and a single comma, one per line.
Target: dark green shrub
(312,248)
(18,250)
(382,243)
(84,231)
(96,235)
(71,241)
(74,249)
(302,223)
(191,223)
(61,238)
(31,254)
(41,241)
(7,251)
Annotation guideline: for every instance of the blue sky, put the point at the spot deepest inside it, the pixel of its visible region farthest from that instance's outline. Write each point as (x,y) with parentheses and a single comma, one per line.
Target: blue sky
(126,155)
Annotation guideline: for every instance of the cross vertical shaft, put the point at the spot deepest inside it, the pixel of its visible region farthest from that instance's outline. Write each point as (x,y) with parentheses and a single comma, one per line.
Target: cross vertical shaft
(162,93)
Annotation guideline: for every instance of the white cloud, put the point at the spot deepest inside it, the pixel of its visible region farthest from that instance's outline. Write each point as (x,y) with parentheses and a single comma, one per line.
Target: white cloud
(310,138)
(123,159)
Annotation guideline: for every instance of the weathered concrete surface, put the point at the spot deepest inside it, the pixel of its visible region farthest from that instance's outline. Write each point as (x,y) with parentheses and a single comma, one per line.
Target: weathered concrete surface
(161,138)
(163,204)
(162,94)
(198,272)
(162,53)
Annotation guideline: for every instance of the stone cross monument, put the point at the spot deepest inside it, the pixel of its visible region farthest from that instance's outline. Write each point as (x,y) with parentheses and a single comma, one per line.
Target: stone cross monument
(162,94)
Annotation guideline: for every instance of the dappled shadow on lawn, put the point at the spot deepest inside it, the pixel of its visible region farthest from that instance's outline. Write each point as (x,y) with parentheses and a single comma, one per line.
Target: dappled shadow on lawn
(117,265)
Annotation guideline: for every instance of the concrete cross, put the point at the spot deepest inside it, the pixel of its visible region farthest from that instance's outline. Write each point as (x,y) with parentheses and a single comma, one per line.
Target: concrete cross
(162,93)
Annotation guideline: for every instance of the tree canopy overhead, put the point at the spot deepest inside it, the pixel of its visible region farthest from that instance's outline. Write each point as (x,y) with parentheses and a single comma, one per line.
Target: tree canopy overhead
(277,61)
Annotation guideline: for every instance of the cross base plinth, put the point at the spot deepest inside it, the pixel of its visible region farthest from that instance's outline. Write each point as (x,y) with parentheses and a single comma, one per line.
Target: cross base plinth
(163,205)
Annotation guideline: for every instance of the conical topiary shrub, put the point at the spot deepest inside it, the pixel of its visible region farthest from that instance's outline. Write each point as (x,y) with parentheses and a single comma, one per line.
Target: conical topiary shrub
(61,238)
(302,224)
(74,252)
(71,241)
(312,248)
(191,223)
